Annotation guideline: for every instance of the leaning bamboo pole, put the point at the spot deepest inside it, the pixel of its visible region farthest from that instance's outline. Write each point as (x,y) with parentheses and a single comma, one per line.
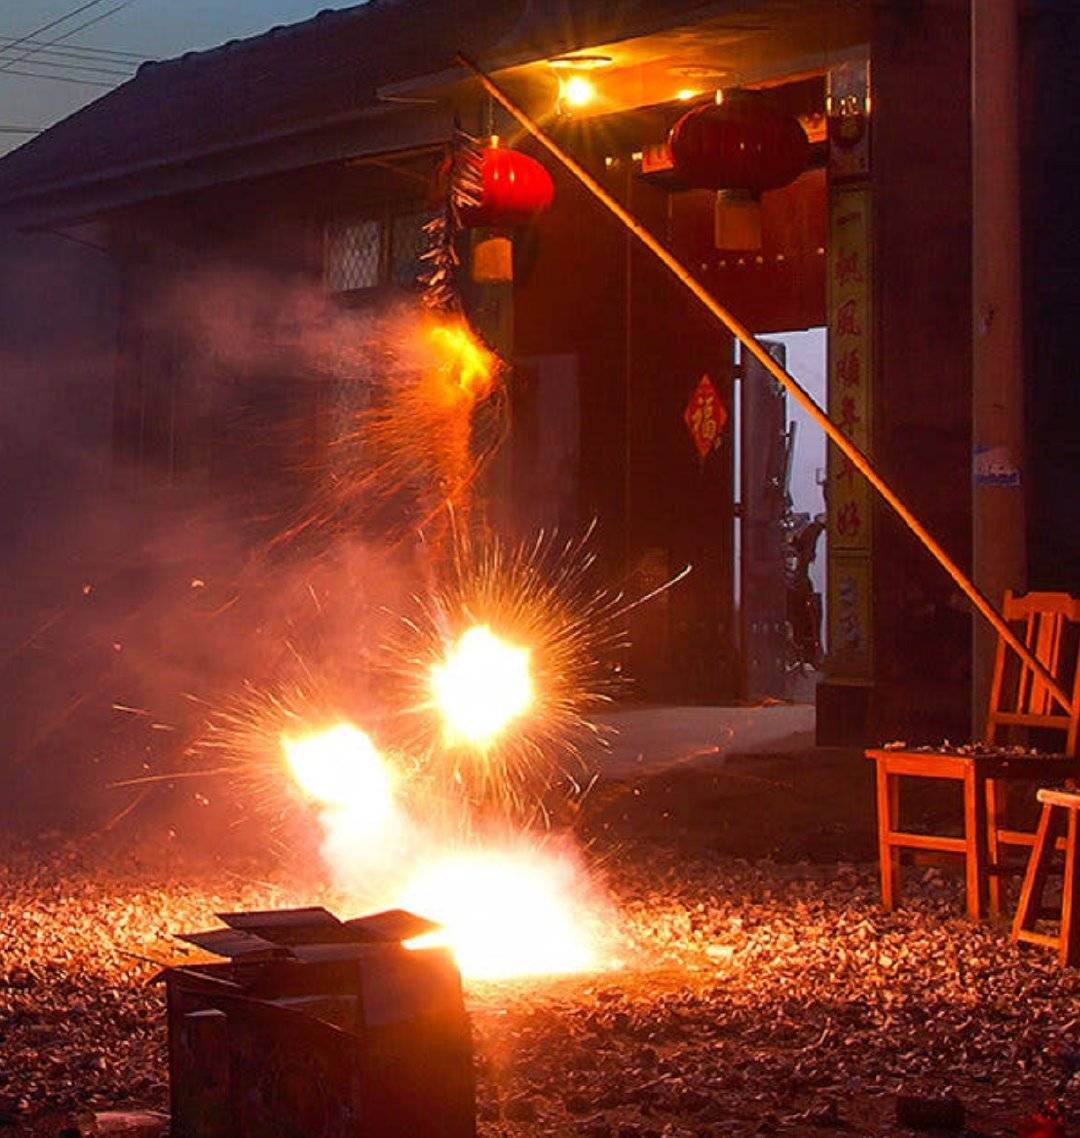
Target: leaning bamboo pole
(858,459)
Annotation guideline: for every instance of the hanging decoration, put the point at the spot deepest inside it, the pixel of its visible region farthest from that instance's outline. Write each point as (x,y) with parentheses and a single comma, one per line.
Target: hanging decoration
(740,146)
(705,417)
(515,189)
(740,143)
(462,180)
(494,187)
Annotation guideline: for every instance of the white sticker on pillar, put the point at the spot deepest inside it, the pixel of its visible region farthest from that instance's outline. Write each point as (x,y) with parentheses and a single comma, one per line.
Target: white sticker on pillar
(994,466)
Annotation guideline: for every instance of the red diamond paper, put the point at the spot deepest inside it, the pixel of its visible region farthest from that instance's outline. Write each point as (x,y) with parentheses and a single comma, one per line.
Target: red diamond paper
(705,416)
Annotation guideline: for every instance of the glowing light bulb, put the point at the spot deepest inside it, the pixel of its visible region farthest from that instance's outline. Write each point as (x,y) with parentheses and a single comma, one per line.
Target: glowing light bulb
(578,91)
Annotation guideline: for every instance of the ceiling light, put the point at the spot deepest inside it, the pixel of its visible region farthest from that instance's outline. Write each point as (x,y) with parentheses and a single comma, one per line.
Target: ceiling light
(577,91)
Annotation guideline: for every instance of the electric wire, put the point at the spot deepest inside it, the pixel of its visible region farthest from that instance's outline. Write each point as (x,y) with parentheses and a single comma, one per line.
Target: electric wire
(76,69)
(6,71)
(73,56)
(88,50)
(55,23)
(7,65)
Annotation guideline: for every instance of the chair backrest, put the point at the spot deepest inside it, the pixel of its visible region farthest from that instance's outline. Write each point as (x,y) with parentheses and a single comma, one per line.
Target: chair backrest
(1018,698)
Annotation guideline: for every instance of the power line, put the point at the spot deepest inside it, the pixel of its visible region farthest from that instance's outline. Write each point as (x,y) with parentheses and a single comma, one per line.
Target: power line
(59,78)
(81,51)
(67,56)
(6,66)
(84,63)
(6,42)
(94,20)
(54,23)
(69,68)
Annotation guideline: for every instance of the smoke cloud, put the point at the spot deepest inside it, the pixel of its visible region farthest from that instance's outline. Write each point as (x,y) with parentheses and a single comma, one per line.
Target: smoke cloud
(172,548)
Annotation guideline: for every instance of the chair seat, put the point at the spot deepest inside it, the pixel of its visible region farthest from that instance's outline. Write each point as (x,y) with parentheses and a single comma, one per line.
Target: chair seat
(1003,763)
(1050,796)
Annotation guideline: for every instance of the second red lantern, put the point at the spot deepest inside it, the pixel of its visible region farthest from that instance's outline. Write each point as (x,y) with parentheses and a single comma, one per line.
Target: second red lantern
(741,143)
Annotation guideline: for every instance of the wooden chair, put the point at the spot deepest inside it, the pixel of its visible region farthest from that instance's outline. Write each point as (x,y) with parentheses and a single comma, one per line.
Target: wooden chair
(1018,699)
(1058,818)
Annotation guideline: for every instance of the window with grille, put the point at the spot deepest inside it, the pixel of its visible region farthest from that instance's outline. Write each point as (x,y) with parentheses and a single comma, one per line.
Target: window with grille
(354,254)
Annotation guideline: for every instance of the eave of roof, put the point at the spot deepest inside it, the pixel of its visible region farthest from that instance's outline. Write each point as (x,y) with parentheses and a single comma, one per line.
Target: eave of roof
(298,96)
(377,130)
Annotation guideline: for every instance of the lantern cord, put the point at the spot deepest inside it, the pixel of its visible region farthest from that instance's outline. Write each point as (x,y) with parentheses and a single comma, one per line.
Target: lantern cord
(858,459)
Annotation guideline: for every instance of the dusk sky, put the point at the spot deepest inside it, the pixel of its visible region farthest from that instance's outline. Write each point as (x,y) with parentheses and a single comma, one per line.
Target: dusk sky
(57,55)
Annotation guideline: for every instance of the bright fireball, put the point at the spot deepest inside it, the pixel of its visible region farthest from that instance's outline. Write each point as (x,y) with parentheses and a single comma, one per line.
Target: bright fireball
(482,686)
(465,361)
(342,768)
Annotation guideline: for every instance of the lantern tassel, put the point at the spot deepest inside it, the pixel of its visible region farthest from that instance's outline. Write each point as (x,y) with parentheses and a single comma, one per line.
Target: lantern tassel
(858,459)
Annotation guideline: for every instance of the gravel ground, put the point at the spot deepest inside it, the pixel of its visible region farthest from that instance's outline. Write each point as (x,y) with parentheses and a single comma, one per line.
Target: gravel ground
(761,999)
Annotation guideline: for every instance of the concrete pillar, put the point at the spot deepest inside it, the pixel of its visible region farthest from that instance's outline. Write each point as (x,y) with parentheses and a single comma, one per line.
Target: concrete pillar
(999,544)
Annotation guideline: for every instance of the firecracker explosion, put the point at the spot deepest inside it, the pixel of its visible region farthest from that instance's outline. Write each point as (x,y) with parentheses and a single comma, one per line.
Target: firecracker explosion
(426,760)
(431,794)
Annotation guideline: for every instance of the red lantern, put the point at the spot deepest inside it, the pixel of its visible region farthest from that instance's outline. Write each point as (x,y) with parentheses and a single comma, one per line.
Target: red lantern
(739,144)
(517,189)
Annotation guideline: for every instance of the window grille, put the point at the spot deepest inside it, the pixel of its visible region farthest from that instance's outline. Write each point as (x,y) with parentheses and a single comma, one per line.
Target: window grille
(353,254)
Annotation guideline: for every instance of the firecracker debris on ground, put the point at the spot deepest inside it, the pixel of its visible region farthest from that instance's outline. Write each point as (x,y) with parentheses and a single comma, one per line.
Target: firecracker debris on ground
(763,992)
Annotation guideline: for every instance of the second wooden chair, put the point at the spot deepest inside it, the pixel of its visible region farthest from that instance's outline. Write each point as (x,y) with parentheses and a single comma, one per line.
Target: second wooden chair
(1018,700)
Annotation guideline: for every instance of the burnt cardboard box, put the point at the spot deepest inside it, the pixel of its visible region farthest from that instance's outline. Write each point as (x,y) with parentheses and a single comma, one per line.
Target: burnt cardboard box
(314,1026)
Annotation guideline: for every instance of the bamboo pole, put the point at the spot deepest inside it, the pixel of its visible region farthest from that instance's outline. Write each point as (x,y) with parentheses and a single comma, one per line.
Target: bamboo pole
(858,459)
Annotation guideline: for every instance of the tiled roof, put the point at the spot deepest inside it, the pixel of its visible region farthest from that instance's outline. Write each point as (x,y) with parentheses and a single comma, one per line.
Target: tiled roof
(289,80)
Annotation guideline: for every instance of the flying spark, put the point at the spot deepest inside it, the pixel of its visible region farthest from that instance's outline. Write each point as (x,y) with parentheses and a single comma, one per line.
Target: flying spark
(401,450)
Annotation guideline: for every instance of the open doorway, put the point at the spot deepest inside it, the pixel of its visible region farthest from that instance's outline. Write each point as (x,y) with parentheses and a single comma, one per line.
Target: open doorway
(780,465)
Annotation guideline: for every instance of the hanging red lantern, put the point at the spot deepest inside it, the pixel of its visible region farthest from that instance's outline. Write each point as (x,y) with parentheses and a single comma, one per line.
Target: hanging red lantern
(516,189)
(741,143)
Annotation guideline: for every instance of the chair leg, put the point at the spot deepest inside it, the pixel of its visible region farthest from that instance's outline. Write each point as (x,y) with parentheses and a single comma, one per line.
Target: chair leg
(995,812)
(888,812)
(975,842)
(1038,869)
(1069,951)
